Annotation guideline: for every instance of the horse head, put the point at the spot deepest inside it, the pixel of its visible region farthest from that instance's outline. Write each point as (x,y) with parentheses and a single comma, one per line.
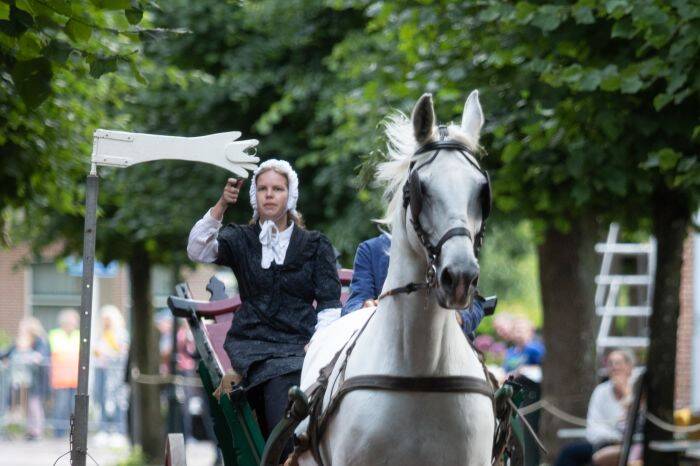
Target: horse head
(447,199)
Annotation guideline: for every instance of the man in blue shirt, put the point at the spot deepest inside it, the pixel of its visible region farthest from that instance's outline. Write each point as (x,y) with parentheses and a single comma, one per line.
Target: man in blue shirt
(369,272)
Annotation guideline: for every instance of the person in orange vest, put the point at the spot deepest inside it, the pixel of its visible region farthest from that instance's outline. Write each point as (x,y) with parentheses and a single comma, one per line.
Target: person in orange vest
(65,348)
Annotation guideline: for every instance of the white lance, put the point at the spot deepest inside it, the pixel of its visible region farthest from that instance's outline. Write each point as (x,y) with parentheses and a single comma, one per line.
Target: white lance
(123,149)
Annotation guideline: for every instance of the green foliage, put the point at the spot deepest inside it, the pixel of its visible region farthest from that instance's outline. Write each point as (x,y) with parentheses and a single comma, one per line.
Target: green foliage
(38,29)
(509,269)
(590,106)
(260,68)
(48,109)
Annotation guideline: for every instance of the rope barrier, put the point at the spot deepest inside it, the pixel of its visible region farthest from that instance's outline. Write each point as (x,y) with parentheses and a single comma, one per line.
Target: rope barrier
(581,422)
(661,424)
(158,379)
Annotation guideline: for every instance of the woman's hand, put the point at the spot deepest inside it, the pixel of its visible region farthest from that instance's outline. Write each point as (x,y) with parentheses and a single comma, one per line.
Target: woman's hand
(228,196)
(370,303)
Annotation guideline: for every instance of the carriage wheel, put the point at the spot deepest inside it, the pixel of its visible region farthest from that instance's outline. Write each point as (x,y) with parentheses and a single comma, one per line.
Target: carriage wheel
(175,450)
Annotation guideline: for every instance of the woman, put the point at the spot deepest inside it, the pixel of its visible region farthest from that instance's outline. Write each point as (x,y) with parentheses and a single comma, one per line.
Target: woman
(110,352)
(29,358)
(281,269)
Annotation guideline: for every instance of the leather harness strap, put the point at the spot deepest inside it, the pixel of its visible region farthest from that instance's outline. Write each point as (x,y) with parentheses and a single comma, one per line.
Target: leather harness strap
(319,418)
(408,289)
(447,384)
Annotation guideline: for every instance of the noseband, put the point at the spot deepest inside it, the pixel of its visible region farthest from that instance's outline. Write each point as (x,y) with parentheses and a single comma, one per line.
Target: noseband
(413,198)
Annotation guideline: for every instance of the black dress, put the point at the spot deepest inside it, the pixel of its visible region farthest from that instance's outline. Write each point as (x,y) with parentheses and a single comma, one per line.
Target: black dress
(277,316)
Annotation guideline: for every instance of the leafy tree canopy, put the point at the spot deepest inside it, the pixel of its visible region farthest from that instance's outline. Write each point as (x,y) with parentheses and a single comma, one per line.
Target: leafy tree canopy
(590,106)
(51,52)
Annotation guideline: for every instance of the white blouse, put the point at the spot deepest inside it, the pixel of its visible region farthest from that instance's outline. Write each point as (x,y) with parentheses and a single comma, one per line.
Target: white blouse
(202,245)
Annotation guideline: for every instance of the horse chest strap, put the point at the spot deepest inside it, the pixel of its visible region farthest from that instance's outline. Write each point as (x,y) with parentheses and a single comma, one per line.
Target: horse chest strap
(442,384)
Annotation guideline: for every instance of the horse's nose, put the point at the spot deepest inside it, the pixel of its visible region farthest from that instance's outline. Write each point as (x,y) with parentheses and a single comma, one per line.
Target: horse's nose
(457,280)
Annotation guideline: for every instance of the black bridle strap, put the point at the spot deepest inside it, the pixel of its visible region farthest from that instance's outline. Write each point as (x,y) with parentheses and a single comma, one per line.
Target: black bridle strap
(435,251)
(450,145)
(408,289)
(458,231)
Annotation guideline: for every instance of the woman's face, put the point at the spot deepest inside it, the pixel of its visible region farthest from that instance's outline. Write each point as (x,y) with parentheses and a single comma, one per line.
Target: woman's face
(271,195)
(618,365)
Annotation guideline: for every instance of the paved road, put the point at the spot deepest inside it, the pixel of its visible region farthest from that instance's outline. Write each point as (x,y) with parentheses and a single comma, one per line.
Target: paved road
(107,452)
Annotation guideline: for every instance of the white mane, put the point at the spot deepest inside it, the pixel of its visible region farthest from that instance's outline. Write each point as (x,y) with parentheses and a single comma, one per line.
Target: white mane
(401,144)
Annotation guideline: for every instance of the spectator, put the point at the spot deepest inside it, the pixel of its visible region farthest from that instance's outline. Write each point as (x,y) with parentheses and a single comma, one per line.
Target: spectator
(110,358)
(164,325)
(29,365)
(527,349)
(607,412)
(65,347)
(503,326)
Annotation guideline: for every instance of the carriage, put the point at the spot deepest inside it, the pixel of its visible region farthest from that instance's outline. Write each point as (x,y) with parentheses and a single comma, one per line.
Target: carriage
(402,358)
(238,434)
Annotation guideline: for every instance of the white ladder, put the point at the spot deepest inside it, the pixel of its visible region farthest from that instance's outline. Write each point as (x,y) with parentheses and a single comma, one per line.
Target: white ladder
(609,285)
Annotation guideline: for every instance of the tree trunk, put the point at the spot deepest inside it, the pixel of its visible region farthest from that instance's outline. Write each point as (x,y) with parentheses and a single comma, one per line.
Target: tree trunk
(671,220)
(147,419)
(568,265)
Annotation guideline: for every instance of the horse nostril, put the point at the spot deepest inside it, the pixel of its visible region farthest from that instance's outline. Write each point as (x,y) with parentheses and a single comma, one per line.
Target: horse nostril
(475,281)
(446,278)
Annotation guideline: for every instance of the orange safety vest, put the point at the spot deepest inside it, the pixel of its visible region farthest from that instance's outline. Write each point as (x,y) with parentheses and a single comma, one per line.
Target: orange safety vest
(65,351)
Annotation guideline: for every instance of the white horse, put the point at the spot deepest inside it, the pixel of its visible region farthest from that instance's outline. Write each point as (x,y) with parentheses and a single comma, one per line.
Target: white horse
(416,334)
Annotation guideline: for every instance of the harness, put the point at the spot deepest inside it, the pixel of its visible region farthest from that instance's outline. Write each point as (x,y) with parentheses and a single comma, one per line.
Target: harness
(311,401)
(413,198)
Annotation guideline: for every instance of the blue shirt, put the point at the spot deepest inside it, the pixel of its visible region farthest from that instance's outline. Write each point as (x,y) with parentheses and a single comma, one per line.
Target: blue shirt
(369,272)
(529,354)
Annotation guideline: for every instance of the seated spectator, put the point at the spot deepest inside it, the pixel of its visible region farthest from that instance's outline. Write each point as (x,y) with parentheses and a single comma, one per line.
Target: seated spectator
(607,413)
(369,272)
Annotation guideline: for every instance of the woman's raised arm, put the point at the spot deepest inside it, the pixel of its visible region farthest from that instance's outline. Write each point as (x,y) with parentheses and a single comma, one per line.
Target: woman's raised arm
(202,245)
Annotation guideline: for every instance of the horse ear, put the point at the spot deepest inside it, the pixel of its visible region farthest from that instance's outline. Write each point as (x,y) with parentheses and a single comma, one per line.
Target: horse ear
(423,118)
(473,117)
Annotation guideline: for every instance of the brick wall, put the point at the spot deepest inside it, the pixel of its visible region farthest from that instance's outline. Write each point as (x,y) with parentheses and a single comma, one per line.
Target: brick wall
(15,289)
(685,327)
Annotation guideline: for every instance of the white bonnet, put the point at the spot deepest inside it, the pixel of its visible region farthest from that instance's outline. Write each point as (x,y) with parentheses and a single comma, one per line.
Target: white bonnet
(292,178)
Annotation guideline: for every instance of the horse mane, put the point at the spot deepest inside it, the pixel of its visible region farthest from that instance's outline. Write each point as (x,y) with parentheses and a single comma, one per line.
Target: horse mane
(401,145)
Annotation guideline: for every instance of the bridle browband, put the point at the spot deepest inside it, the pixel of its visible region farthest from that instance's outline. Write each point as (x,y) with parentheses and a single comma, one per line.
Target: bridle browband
(413,198)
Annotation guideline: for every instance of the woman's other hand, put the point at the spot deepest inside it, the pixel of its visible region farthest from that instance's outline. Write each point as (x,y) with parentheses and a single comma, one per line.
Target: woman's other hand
(228,196)
(370,303)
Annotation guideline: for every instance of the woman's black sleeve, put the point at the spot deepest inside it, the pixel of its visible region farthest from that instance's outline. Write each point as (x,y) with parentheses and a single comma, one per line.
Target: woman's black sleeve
(325,276)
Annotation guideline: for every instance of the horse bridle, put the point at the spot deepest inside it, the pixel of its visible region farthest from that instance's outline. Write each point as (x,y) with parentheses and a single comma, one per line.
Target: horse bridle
(413,198)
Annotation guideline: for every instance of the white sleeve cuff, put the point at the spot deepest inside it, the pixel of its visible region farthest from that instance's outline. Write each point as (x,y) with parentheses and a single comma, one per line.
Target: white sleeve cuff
(202,245)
